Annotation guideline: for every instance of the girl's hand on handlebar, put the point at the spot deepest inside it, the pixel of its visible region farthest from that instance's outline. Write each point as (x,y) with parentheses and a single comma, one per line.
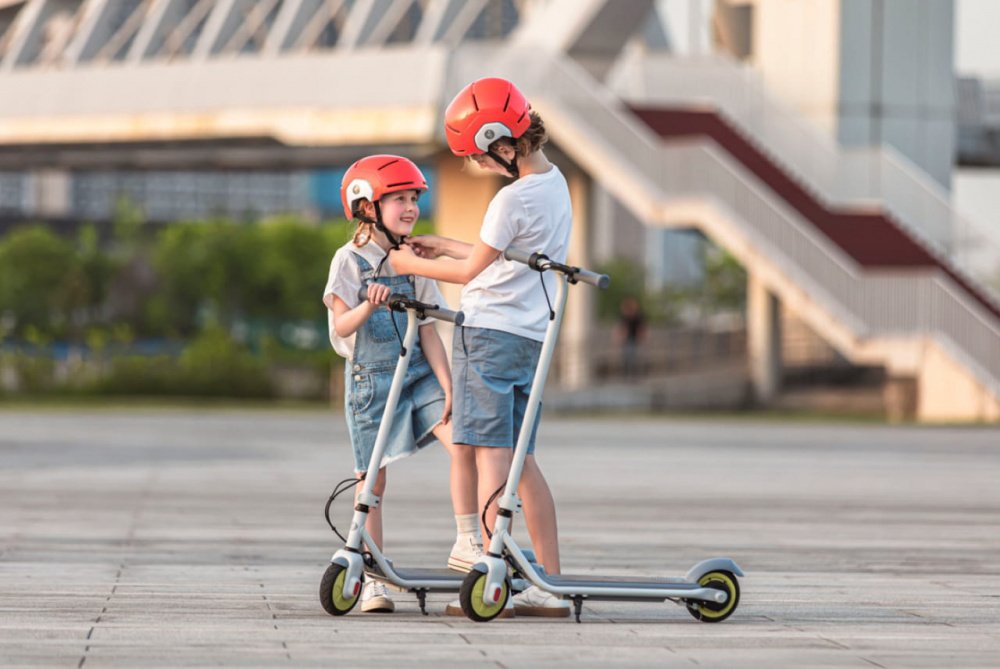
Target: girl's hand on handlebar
(378,294)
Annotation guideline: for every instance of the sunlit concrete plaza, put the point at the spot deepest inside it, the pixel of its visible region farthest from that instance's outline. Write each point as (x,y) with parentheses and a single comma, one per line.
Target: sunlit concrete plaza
(190,538)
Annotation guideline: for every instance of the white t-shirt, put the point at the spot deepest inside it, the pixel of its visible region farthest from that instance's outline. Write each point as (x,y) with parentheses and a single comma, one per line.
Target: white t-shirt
(532,214)
(345,282)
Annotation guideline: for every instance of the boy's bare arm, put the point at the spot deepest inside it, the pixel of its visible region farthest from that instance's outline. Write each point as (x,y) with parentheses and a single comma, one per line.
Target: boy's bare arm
(435,246)
(462,271)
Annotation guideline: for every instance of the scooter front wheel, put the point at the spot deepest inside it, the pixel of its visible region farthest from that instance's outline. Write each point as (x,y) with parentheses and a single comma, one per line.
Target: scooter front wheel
(713,612)
(331,591)
(470,596)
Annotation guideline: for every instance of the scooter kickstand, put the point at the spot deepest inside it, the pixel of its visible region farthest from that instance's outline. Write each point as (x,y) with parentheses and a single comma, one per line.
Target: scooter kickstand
(422,600)
(577,606)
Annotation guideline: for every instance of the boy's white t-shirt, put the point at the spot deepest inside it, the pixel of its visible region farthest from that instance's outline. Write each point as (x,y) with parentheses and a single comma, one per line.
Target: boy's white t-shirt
(345,281)
(531,214)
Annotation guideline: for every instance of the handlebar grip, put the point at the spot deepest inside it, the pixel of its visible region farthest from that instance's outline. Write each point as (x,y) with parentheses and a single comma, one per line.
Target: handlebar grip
(593,278)
(517,255)
(456,317)
(402,303)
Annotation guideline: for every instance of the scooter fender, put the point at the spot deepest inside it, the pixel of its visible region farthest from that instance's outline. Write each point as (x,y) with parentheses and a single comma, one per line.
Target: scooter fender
(354,566)
(496,571)
(712,564)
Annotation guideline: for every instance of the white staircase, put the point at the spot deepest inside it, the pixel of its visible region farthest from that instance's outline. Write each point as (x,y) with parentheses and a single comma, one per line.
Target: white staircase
(904,319)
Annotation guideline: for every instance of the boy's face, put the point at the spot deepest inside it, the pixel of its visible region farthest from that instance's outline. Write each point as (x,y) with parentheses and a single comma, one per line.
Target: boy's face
(485,162)
(400,211)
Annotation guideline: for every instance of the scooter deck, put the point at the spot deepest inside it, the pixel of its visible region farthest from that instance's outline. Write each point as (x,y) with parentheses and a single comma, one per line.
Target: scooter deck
(641,588)
(626,582)
(436,578)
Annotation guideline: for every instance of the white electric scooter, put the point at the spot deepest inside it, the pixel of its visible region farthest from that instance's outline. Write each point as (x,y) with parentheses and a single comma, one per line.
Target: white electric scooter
(709,591)
(360,558)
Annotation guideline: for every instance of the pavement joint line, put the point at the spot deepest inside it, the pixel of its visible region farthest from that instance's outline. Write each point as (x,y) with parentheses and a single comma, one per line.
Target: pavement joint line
(834,643)
(872,662)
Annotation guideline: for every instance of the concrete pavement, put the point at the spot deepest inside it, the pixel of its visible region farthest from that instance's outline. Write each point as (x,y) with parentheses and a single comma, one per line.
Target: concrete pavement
(173,538)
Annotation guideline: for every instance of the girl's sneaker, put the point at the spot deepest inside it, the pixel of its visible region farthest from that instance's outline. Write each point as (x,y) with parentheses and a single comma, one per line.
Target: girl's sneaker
(375,599)
(534,601)
(465,553)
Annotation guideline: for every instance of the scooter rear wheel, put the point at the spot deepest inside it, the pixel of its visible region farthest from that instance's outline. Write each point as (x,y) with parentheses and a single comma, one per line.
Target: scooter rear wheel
(470,596)
(713,612)
(331,591)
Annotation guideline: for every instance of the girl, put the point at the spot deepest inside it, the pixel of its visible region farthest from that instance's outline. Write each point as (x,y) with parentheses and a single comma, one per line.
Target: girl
(495,353)
(380,193)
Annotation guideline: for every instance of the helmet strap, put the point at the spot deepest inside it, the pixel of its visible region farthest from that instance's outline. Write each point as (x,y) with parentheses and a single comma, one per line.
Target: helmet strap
(511,167)
(380,226)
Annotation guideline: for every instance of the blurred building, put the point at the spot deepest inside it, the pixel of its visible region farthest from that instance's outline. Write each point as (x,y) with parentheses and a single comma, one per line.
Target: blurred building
(813,139)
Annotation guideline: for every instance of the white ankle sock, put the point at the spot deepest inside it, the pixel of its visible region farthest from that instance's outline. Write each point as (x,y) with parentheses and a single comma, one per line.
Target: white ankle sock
(468,526)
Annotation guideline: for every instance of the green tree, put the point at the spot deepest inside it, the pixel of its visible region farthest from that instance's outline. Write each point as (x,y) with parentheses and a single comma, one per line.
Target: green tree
(41,282)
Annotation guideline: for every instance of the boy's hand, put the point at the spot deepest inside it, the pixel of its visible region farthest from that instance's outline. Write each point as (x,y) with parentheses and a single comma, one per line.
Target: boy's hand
(378,294)
(400,259)
(426,246)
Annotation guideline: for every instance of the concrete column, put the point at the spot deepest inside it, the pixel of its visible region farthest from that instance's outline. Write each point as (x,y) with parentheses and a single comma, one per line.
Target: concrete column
(575,356)
(763,340)
(461,195)
(51,193)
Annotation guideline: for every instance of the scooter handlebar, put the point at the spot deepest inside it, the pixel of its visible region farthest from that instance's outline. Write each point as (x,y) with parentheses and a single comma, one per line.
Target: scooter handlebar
(540,262)
(402,303)
(517,255)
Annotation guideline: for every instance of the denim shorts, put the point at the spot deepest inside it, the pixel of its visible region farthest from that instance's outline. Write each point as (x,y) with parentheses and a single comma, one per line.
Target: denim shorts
(418,411)
(491,374)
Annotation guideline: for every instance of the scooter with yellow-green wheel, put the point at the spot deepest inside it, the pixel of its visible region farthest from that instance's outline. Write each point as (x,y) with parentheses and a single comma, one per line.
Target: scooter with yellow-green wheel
(710,590)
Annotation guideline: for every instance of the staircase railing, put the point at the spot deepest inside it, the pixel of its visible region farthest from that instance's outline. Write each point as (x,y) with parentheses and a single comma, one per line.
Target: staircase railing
(837,176)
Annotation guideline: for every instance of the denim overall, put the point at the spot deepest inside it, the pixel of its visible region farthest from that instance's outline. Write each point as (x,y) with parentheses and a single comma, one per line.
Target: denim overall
(369,375)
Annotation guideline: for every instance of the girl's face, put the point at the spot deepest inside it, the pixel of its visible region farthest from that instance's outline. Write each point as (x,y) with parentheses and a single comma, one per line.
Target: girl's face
(400,211)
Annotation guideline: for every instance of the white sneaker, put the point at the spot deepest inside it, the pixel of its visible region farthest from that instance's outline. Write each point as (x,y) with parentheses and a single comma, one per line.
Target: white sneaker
(465,553)
(375,599)
(454,608)
(534,601)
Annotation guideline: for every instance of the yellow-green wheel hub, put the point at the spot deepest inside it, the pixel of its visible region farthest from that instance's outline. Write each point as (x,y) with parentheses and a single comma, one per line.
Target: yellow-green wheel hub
(482,608)
(341,602)
(713,612)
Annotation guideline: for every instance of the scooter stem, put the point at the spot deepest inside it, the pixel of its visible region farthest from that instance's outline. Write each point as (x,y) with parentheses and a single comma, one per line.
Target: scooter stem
(366,497)
(509,499)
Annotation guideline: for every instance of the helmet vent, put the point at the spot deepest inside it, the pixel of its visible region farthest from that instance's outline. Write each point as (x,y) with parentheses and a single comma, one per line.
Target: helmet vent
(506,102)
(400,183)
(391,162)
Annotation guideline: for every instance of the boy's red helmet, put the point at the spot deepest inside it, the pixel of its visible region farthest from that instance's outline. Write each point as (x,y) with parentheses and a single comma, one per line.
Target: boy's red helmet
(483,112)
(375,176)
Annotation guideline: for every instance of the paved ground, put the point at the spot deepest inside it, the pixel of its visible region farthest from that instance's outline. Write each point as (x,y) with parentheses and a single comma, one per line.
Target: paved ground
(148,538)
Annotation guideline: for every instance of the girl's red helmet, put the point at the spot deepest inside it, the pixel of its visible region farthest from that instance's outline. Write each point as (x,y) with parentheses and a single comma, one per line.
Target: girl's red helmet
(374,176)
(483,112)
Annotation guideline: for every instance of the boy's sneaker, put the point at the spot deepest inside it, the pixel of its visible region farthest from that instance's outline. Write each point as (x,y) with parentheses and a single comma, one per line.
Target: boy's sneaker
(464,554)
(534,601)
(454,608)
(375,599)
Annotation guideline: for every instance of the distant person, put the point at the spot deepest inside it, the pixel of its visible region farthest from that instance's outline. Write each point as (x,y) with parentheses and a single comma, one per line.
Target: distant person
(630,332)
(380,192)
